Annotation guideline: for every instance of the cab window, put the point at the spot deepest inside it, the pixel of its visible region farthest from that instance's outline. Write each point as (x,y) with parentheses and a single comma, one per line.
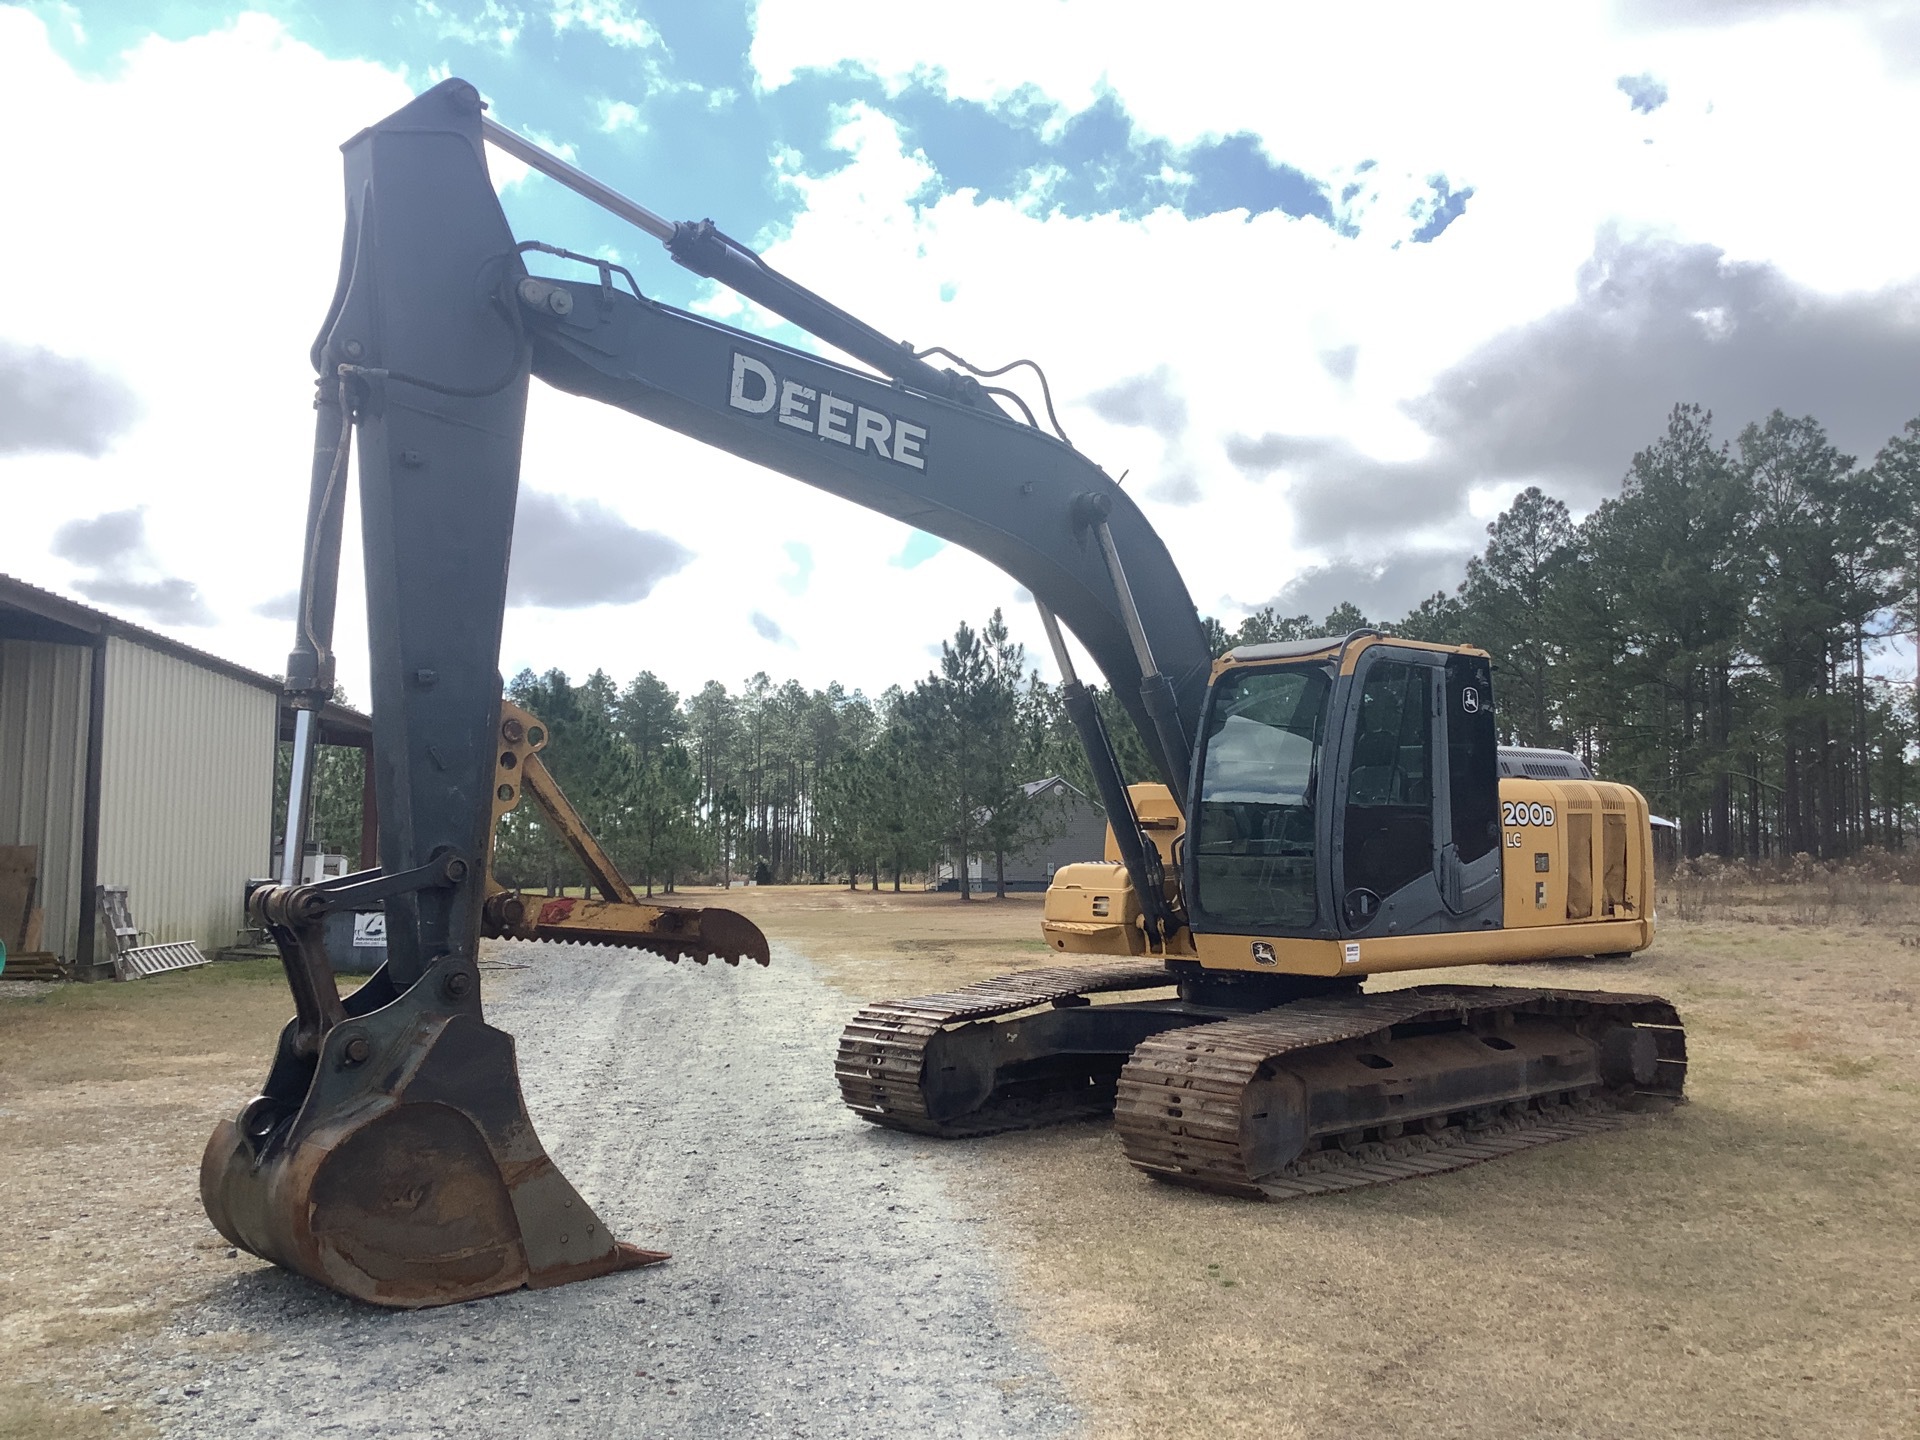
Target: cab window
(1473,757)
(1254,864)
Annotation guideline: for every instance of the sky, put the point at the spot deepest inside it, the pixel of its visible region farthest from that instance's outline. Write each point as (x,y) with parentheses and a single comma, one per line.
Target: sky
(1327,284)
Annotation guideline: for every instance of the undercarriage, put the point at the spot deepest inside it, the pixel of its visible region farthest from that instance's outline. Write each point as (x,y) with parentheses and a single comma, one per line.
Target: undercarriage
(1269,1092)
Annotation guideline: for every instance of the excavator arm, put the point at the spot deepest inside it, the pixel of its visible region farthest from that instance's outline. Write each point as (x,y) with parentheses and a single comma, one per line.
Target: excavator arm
(389,1154)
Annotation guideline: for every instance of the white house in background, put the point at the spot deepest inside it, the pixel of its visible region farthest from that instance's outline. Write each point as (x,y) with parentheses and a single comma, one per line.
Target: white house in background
(1082,837)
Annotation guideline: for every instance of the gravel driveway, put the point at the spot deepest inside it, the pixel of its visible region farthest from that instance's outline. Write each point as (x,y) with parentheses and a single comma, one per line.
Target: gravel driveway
(824,1280)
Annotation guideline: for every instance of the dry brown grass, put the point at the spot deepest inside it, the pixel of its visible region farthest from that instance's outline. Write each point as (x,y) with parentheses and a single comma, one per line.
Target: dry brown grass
(1875,888)
(107,1094)
(874,943)
(1745,1267)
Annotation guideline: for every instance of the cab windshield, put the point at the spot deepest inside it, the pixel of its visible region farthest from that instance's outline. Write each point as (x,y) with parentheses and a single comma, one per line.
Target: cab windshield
(1253,847)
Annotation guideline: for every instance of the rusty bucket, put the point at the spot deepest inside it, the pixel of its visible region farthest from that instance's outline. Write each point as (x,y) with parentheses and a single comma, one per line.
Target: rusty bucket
(404,1171)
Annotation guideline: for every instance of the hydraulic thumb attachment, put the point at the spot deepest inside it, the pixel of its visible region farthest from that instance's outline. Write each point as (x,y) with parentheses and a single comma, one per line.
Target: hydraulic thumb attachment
(619,917)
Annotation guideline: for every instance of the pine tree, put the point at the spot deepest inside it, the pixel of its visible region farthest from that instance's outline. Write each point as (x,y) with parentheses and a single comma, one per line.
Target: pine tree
(1507,597)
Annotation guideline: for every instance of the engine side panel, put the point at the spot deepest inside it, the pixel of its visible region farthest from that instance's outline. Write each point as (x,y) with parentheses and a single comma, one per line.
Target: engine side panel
(1574,852)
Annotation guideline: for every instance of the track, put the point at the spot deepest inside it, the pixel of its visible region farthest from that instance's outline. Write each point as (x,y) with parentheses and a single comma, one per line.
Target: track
(883,1055)
(1203,1095)
(1188,1103)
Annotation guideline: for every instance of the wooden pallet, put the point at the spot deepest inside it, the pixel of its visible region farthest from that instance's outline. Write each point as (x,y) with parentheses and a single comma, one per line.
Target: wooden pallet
(33,965)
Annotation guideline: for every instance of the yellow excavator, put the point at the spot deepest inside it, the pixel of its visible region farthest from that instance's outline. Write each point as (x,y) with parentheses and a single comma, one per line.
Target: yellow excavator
(1350,814)
(1323,811)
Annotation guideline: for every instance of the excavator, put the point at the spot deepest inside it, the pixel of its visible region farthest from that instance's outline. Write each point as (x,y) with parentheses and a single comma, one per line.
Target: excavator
(1321,812)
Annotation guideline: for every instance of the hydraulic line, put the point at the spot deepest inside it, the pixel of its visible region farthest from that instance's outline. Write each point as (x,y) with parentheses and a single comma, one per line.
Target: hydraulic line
(1156,691)
(1145,871)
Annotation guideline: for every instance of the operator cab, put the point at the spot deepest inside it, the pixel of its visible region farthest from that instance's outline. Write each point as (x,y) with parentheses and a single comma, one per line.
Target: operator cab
(1346,788)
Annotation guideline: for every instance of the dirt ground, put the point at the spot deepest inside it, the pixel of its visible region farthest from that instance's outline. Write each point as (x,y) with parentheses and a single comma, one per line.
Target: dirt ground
(107,1094)
(1747,1266)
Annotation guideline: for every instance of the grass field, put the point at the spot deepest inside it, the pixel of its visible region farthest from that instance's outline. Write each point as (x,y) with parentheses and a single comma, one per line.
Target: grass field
(1745,1267)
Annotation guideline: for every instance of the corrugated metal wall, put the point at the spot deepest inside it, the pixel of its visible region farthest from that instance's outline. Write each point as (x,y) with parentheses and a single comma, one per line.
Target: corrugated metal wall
(43,771)
(186,792)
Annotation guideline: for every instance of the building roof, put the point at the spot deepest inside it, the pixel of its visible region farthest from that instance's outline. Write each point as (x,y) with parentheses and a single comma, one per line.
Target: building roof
(28,612)
(1033,789)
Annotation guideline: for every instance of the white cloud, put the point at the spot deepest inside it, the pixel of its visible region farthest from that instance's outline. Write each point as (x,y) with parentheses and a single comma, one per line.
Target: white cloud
(1774,145)
(612,20)
(190,207)
(617,115)
(235,266)
(1759,149)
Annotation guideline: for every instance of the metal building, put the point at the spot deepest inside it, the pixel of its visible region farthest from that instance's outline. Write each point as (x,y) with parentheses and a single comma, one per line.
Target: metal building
(127,758)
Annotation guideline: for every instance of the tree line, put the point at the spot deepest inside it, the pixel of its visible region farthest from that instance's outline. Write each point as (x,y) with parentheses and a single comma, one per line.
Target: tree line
(1702,635)
(776,782)
(781,783)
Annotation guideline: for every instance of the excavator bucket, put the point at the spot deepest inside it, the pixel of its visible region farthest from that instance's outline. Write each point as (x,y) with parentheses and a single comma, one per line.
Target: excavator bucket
(409,1174)
(390,1155)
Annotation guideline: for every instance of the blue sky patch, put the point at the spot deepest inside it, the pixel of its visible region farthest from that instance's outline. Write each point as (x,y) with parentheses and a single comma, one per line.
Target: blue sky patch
(920,548)
(1439,209)
(1644,93)
(1092,162)
(1235,174)
(801,555)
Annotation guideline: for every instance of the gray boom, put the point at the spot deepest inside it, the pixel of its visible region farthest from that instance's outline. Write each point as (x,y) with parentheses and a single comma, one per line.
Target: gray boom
(434,331)
(389,1153)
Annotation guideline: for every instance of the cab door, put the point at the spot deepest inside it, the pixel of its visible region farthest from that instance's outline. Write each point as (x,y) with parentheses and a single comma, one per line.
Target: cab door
(1470,853)
(1385,868)
(1416,753)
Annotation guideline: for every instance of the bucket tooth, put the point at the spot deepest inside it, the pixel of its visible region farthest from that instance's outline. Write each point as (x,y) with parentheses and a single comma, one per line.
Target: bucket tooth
(406,1172)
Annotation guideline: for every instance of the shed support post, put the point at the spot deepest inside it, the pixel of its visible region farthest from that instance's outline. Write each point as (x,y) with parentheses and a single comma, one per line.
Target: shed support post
(83,960)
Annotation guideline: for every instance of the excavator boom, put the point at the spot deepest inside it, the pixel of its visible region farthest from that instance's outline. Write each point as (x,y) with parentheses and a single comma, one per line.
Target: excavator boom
(389,1154)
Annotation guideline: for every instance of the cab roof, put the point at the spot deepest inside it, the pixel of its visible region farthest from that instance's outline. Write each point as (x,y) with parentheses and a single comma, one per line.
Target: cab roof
(1327,647)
